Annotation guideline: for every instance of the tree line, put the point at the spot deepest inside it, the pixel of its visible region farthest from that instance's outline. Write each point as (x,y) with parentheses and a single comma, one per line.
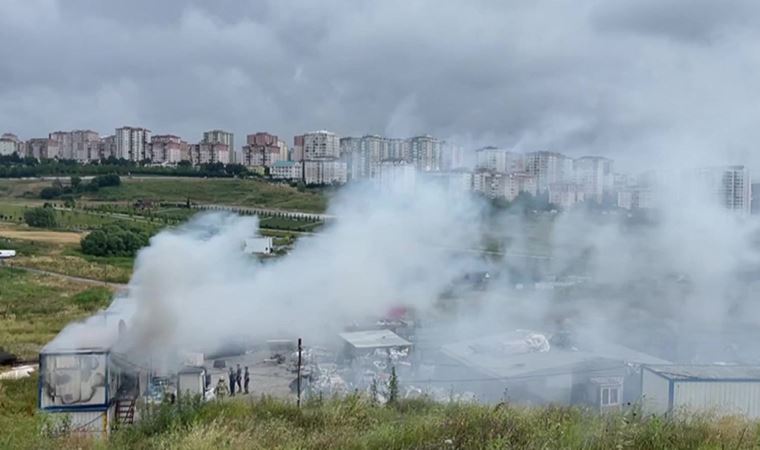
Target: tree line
(15,166)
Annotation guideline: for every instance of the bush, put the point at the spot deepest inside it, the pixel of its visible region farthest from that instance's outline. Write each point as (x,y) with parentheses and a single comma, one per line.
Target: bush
(114,240)
(50,192)
(40,218)
(106,180)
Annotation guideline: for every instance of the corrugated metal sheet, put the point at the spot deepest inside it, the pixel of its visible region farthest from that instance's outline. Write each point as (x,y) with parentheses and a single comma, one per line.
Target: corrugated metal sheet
(725,398)
(88,422)
(655,393)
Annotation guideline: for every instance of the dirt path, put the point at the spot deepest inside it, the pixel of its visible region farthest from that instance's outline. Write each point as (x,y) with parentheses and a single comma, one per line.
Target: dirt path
(54,237)
(116,286)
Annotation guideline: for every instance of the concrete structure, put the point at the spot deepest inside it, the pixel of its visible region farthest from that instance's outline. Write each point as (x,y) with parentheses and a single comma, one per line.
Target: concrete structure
(527,367)
(321,144)
(132,143)
(167,149)
(325,172)
(262,150)
(223,137)
(719,389)
(499,160)
(731,186)
(42,148)
(426,153)
(397,176)
(10,144)
(107,147)
(297,153)
(205,153)
(259,245)
(286,170)
(593,174)
(374,339)
(565,195)
(79,145)
(549,168)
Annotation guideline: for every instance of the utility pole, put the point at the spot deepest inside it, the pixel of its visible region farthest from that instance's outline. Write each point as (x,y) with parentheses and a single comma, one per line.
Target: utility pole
(298,380)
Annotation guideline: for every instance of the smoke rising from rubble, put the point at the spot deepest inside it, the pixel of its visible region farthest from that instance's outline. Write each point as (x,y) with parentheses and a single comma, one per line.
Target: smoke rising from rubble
(195,288)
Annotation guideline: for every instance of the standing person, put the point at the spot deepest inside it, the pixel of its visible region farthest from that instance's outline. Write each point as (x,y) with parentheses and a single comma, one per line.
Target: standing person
(247,379)
(239,378)
(221,389)
(232,382)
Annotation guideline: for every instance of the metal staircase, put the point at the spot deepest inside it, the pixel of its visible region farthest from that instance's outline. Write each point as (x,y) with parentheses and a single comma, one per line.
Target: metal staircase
(125,411)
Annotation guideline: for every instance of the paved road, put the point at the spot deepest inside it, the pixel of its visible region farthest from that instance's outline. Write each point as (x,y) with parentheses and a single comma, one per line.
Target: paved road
(68,277)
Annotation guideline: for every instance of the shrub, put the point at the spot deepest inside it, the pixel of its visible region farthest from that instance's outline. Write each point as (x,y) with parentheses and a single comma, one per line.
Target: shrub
(114,240)
(40,218)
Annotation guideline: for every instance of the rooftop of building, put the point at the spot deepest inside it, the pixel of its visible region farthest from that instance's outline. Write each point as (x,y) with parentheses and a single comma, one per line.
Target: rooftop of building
(524,352)
(707,372)
(374,339)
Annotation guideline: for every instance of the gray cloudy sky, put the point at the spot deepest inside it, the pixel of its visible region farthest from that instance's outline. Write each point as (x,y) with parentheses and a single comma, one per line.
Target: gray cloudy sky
(622,78)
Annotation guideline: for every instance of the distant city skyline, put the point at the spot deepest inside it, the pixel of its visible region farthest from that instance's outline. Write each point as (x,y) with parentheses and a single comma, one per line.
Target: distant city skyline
(632,80)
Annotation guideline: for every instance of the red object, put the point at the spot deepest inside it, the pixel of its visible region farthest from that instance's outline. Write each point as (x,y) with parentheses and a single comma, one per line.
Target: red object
(397,312)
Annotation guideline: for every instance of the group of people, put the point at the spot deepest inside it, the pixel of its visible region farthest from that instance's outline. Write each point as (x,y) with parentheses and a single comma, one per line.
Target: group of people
(237,378)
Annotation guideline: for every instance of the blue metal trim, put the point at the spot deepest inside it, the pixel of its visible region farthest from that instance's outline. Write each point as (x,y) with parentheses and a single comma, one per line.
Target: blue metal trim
(671,394)
(39,381)
(70,408)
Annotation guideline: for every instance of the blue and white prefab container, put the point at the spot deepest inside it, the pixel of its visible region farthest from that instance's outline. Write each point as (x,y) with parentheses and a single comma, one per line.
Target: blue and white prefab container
(79,387)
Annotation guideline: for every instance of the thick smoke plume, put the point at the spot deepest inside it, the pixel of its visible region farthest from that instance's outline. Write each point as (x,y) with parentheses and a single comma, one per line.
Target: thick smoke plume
(676,282)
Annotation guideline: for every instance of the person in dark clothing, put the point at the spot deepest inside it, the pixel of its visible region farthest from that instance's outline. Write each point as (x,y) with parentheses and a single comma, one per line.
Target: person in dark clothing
(232,382)
(247,379)
(239,378)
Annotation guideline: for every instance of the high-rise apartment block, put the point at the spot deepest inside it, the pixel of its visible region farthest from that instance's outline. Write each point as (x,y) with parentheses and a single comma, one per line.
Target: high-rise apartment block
(168,149)
(321,145)
(549,168)
(263,150)
(10,144)
(222,137)
(132,143)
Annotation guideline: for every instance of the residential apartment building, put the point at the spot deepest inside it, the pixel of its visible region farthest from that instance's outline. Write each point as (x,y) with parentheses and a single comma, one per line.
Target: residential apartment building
(499,160)
(325,172)
(426,153)
(10,144)
(549,168)
(262,150)
(132,143)
(321,144)
(79,145)
(565,195)
(167,149)
(42,148)
(286,170)
(396,176)
(223,137)
(595,177)
(731,186)
(205,153)
(297,153)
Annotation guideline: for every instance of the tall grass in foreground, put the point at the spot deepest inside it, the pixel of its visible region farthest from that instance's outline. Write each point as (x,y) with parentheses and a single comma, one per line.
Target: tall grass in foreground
(354,423)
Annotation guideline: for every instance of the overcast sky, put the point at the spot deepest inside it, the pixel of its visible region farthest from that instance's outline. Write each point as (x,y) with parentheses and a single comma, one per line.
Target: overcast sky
(620,78)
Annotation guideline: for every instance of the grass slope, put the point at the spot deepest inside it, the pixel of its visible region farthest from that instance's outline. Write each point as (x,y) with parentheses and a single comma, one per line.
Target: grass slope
(354,423)
(34,308)
(214,190)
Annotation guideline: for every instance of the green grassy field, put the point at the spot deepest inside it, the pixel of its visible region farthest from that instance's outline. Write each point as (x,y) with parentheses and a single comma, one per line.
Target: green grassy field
(34,308)
(214,190)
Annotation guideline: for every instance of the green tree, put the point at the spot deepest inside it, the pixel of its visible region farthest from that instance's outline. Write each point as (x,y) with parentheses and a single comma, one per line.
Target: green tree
(40,218)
